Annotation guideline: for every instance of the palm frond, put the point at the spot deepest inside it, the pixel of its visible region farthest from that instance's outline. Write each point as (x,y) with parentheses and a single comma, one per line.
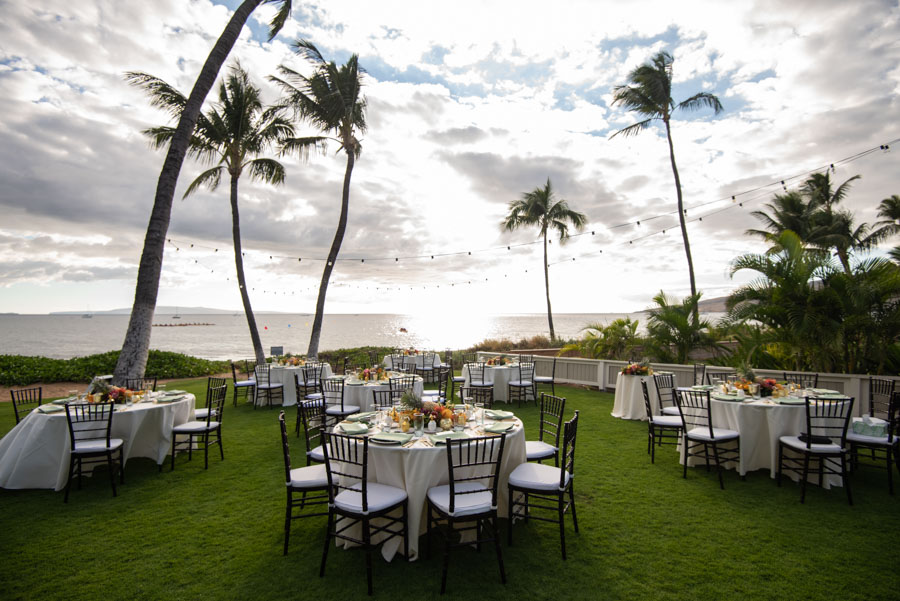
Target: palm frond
(634,129)
(162,95)
(209,178)
(701,100)
(280,18)
(266,170)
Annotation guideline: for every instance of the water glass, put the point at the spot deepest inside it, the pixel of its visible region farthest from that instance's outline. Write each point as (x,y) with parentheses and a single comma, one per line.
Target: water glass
(479,414)
(419,423)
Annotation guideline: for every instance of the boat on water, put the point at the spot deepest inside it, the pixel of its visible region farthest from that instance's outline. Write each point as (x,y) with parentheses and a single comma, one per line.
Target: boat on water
(176,316)
(87,316)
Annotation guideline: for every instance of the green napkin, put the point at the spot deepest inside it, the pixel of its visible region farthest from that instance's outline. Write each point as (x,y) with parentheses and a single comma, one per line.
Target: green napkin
(354,428)
(70,399)
(495,414)
(791,401)
(358,417)
(391,438)
(443,437)
(727,397)
(498,428)
(833,397)
(50,408)
(824,391)
(169,399)
(171,392)
(702,387)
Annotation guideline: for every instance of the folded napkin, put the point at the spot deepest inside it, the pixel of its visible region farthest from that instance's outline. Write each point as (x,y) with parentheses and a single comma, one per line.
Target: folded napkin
(832,397)
(821,391)
(50,408)
(70,399)
(169,399)
(499,427)
(702,387)
(354,428)
(358,417)
(392,438)
(789,400)
(170,392)
(495,414)
(353,382)
(443,437)
(727,397)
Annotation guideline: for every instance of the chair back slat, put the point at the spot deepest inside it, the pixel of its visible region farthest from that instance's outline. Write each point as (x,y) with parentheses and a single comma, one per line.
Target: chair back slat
(803,380)
(262,374)
(333,391)
(526,372)
(827,418)
(479,394)
(141,383)
(476,372)
(665,389)
(89,421)
(346,465)
(646,393)
(881,392)
(216,391)
(693,406)
(474,460)
(568,454)
(285,448)
(699,374)
(400,384)
(314,420)
(552,408)
(24,397)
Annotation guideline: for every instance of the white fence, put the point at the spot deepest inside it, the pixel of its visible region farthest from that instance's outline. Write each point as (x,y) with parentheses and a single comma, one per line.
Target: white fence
(602,374)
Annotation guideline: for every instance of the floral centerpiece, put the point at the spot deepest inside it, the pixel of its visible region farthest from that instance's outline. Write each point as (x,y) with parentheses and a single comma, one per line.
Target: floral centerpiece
(768,386)
(497,361)
(637,369)
(373,374)
(410,352)
(291,361)
(100,391)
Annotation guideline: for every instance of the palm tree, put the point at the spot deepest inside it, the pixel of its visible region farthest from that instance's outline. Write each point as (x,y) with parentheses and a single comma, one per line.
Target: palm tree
(788,211)
(539,208)
(231,134)
(330,99)
(616,340)
(650,95)
(132,360)
(889,225)
(673,331)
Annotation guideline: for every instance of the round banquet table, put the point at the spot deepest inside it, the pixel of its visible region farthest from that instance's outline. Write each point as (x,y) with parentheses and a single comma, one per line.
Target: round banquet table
(283,374)
(417,468)
(629,401)
(362,395)
(760,422)
(500,376)
(35,454)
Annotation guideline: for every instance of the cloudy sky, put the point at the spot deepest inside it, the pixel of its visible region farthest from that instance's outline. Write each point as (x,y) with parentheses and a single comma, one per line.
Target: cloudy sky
(471,104)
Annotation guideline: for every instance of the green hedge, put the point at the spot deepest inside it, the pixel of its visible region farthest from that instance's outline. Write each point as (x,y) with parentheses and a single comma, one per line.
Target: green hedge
(20,370)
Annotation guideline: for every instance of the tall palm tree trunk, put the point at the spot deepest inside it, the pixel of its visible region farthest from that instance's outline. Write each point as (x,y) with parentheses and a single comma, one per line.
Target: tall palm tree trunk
(239,267)
(547,288)
(332,259)
(681,220)
(133,359)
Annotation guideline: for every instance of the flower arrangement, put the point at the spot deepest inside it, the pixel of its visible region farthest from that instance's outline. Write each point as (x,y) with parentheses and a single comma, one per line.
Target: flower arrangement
(373,374)
(410,352)
(637,369)
(291,361)
(768,386)
(100,391)
(497,361)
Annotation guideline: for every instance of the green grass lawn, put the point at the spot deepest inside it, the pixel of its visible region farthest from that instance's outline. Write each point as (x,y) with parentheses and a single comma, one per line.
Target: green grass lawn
(646,533)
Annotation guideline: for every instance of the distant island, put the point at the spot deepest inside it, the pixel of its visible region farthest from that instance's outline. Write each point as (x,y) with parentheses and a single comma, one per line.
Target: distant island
(164,310)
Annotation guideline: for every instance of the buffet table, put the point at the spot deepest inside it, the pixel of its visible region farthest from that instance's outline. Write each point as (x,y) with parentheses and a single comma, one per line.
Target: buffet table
(35,454)
(500,376)
(629,400)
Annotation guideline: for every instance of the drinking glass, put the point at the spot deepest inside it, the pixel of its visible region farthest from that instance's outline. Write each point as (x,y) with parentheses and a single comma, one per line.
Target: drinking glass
(459,420)
(419,423)
(479,414)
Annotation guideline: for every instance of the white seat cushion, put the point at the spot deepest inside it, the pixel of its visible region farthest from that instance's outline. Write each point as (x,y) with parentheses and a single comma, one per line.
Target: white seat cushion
(312,476)
(314,396)
(466,504)
(873,440)
(201,413)
(245,383)
(667,420)
(336,410)
(459,379)
(537,476)
(795,443)
(543,379)
(97,445)
(521,383)
(719,434)
(381,496)
(195,426)
(671,411)
(538,449)
(269,386)
(317,454)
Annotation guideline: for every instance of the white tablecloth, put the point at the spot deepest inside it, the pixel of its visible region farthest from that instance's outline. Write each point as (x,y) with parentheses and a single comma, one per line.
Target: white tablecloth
(363,395)
(35,454)
(760,425)
(418,468)
(629,401)
(281,374)
(500,376)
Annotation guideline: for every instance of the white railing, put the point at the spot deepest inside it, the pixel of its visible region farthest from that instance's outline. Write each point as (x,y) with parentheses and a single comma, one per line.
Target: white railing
(603,374)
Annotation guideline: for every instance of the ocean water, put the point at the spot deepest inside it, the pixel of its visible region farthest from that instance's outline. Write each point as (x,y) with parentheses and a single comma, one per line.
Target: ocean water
(227,336)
